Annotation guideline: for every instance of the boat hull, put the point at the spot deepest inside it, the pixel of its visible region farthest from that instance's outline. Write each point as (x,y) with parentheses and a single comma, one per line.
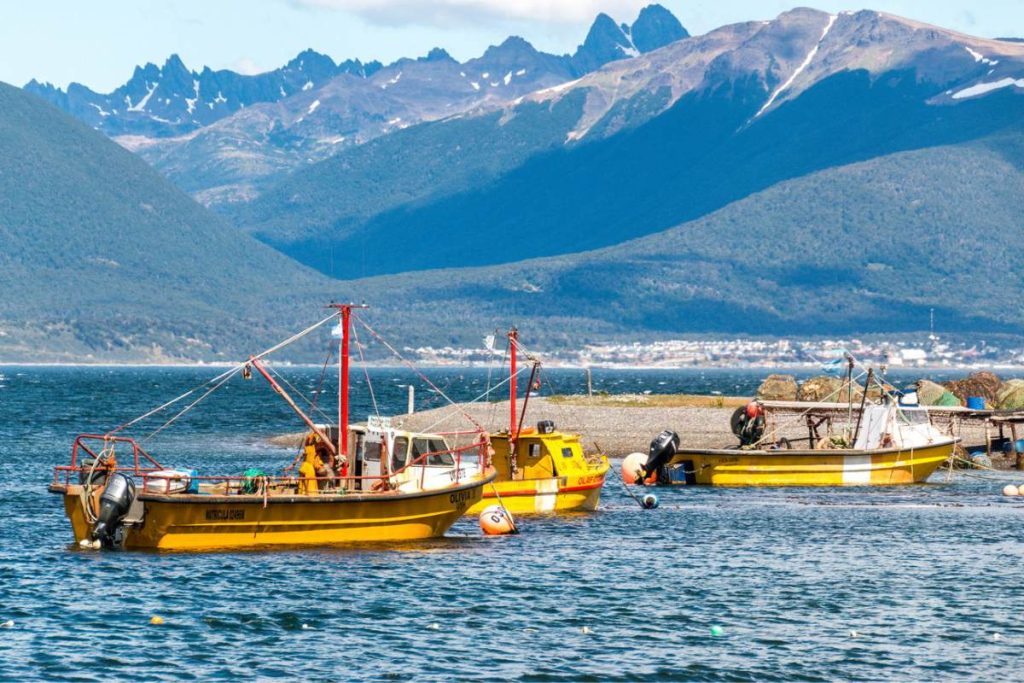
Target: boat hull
(552,494)
(881,467)
(201,522)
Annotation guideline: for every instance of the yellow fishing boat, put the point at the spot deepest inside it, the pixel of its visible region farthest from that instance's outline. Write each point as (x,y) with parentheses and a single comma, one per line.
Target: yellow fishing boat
(139,503)
(892,445)
(539,469)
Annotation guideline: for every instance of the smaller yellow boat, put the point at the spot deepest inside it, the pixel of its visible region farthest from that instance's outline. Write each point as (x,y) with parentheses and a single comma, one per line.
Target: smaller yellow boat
(539,469)
(892,445)
(138,503)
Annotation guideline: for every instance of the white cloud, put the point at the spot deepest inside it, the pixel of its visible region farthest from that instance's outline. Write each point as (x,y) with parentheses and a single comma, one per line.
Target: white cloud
(446,12)
(247,66)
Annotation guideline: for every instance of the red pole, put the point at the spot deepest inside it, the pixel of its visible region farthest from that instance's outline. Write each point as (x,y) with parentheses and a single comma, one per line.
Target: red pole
(346,312)
(346,315)
(513,334)
(291,404)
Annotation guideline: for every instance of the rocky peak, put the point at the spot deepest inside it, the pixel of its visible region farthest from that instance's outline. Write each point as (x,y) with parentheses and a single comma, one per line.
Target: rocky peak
(310,59)
(437,54)
(656,27)
(605,42)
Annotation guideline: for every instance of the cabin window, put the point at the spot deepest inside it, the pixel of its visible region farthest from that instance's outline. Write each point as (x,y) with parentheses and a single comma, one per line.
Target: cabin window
(567,452)
(401,450)
(438,450)
(371,451)
(534,451)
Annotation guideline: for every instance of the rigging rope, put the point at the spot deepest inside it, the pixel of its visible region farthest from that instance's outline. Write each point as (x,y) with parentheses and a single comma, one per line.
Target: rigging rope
(445,418)
(417,371)
(366,371)
(219,380)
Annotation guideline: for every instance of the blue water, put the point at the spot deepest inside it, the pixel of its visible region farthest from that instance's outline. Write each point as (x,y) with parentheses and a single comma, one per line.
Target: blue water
(926,576)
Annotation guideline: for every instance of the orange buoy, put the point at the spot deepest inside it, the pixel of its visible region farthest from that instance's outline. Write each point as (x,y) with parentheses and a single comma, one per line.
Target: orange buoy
(496,520)
(632,465)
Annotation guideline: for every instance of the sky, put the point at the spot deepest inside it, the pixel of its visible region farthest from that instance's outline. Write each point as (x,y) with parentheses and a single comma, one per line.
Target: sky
(99,42)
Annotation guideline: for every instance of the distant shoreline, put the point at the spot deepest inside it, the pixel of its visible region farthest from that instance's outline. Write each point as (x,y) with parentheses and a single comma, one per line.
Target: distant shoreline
(782,367)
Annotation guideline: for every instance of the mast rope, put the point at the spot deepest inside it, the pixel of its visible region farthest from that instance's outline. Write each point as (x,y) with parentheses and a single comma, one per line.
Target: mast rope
(366,371)
(311,403)
(451,414)
(217,381)
(418,372)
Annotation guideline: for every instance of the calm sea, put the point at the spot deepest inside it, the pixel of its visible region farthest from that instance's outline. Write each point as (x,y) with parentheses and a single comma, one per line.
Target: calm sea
(912,583)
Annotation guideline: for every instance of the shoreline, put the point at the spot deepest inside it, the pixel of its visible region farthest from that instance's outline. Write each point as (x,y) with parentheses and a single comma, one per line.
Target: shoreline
(484,366)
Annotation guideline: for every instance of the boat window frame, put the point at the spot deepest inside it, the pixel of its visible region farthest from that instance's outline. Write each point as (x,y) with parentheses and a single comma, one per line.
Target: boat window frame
(398,448)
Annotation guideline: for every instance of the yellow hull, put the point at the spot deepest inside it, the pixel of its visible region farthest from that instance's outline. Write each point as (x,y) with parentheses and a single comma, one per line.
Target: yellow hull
(561,494)
(200,522)
(882,467)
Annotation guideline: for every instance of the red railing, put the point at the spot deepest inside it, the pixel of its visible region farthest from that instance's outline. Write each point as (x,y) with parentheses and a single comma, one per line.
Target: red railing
(83,443)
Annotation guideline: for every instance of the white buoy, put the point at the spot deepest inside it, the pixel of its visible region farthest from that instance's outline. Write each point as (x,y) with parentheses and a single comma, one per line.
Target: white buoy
(586,631)
(1011,490)
(650,501)
(435,627)
(997,636)
(1020,490)
(8,624)
(854,634)
(632,464)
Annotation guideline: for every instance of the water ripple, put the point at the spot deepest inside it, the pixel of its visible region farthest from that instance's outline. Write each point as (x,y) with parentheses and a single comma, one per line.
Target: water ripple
(830,584)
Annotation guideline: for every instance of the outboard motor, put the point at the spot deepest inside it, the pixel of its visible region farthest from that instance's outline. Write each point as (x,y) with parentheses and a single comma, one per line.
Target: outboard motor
(115,502)
(663,447)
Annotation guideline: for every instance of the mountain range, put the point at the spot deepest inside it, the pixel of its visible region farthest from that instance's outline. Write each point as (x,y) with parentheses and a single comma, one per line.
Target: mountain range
(219,134)
(645,144)
(813,174)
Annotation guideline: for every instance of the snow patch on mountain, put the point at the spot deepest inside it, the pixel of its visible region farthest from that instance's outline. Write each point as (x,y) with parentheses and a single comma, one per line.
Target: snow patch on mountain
(984,88)
(978,57)
(800,69)
(141,106)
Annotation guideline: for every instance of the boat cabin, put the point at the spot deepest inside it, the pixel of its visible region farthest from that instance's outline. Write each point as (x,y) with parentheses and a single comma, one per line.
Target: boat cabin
(378,450)
(540,453)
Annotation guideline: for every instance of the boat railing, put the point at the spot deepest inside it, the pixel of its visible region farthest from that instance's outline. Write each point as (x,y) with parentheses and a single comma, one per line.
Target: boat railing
(106,458)
(422,463)
(235,483)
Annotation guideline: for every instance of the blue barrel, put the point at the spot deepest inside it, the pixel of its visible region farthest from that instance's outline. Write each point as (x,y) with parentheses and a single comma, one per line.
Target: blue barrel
(1020,445)
(193,483)
(976,402)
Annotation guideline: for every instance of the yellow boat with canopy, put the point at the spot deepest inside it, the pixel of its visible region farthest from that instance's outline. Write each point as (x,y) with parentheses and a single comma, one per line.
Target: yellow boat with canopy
(117,495)
(539,469)
(881,443)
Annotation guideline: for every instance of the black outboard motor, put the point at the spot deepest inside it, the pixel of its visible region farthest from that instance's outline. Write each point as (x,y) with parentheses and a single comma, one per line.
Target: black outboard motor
(663,447)
(115,502)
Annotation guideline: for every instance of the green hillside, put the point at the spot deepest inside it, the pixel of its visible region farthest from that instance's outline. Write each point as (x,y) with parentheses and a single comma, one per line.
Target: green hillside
(405,168)
(868,247)
(101,255)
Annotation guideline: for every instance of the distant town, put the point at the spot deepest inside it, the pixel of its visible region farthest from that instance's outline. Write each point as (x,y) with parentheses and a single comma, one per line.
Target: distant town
(928,352)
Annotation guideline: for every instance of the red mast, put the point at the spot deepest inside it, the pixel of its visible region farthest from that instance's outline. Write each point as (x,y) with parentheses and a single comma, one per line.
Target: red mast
(513,335)
(346,314)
